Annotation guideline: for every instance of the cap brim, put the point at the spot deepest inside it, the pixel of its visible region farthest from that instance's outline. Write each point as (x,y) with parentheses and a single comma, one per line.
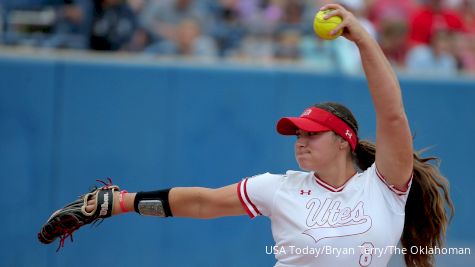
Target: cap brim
(289,126)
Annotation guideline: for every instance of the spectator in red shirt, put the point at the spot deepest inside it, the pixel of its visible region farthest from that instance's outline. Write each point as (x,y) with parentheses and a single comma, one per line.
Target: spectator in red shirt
(432,17)
(382,11)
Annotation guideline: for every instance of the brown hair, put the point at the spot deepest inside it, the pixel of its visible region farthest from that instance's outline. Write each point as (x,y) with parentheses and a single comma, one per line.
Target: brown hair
(426,219)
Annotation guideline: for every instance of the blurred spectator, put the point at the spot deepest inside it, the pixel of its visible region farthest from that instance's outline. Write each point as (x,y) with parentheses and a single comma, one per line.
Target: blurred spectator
(161,17)
(72,26)
(247,8)
(462,51)
(347,56)
(433,59)
(188,41)
(471,48)
(2,22)
(266,18)
(292,17)
(287,46)
(318,53)
(381,11)
(467,12)
(227,28)
(390,19)
(255,30)
(24,4)
(257,47)
(392,38)
(141,38)
(139,41)
(137,6)
(432,17)
(113,25)
(27,22)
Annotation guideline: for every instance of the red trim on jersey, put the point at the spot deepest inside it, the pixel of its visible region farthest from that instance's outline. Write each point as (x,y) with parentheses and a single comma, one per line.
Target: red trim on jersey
(242,201)
(329,186)
(248,199)
(392,187)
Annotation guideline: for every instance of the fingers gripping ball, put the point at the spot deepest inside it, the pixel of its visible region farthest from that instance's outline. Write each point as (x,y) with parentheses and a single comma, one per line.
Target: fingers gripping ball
(323,27)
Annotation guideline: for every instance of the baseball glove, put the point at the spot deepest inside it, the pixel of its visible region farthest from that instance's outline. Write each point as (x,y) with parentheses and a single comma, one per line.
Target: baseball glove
(63,222)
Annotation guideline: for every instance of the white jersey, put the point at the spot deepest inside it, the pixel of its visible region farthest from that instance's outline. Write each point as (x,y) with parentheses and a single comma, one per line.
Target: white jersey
(315,224)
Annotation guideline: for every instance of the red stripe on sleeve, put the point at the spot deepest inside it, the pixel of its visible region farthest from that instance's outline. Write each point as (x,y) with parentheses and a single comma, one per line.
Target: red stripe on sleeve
(242,201)
(392,187)
(248,199)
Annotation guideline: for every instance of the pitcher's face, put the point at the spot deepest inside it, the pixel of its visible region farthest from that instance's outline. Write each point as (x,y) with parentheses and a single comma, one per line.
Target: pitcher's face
(316,150)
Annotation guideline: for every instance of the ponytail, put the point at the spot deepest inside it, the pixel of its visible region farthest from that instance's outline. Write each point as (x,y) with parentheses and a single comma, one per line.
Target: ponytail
(426,219)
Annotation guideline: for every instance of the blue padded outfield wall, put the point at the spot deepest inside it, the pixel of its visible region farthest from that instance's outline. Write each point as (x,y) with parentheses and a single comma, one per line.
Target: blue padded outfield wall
(65,123)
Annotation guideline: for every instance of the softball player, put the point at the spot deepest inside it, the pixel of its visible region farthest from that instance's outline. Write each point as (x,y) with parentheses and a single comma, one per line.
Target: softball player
(352,200)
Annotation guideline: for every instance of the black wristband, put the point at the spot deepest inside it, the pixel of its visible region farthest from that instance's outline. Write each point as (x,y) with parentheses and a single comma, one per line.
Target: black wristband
(161,195)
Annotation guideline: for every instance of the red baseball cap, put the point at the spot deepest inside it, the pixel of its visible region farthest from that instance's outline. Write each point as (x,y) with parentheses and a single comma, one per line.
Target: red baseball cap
(317,120)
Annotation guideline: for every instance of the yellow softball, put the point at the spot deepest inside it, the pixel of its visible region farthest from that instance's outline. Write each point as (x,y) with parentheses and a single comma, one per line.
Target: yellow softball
(322,27)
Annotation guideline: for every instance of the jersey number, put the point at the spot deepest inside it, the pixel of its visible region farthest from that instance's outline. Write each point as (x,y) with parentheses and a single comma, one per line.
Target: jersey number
(366,257)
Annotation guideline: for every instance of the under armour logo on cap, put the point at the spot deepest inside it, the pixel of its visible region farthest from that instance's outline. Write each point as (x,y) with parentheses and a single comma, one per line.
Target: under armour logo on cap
(306,112)
(348,133)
